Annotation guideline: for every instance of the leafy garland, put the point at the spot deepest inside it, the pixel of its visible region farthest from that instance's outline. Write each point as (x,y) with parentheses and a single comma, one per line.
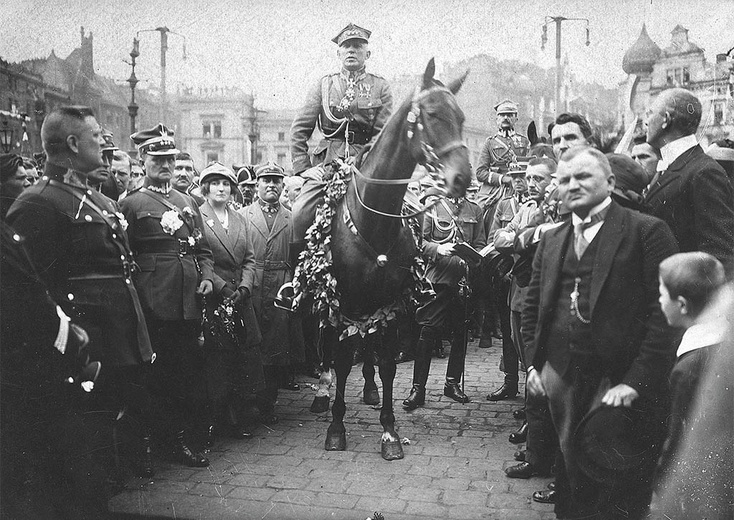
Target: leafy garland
(313,274)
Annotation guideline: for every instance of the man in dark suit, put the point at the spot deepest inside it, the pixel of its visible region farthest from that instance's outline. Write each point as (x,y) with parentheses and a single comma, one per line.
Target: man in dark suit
(592,328)
(693,194)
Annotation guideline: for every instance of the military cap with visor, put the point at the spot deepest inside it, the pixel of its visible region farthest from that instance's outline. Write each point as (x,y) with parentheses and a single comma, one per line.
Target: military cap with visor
(352,32)
(506,107)
(269,169)
(155,141)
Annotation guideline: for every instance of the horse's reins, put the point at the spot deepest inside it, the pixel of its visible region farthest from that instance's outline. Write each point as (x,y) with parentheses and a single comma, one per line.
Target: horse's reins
(430,158)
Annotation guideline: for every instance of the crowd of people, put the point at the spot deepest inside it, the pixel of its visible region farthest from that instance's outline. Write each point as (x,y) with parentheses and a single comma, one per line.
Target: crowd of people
(153,285)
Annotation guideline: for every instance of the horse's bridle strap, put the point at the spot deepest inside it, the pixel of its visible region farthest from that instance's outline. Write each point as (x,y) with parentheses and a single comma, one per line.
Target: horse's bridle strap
(449,147)
(383,182)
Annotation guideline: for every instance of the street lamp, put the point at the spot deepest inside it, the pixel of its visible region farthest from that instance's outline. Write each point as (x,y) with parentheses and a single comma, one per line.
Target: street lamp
(544,39)
(132,108)
(6,138)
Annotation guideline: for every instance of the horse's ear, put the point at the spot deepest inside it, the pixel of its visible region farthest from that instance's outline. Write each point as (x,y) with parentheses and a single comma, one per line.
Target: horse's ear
(455,85)
(532,133)
(428,74)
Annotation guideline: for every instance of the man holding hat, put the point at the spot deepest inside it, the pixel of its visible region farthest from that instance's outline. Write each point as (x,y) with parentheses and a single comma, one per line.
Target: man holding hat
(268,225)
(594,333)
(349,107)
(175,272)
(498,153)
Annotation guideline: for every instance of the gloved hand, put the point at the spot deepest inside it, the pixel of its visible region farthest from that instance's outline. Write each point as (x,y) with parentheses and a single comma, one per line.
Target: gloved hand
(445,249)
(240,295)
(85,371)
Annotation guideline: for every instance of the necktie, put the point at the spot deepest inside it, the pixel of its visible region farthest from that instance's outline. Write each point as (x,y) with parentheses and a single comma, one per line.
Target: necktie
(580,243)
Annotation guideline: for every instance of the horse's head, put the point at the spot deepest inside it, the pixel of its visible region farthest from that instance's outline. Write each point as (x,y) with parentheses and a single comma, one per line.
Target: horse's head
(435,131)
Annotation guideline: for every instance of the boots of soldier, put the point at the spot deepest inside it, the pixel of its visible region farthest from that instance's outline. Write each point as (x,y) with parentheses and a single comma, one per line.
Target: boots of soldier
(508,390)
(452,389)
(182,454)
(421,368)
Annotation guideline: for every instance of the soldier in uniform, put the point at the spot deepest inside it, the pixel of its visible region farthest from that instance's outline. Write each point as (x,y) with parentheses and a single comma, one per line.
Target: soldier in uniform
(349,107)
(499,151)
(450,222)
(176,270)
(76,240)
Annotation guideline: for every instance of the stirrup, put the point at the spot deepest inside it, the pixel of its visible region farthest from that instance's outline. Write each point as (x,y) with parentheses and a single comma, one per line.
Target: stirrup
(285,299)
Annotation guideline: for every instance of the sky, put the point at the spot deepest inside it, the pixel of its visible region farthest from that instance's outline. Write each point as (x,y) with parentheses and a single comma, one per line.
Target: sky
(278,48)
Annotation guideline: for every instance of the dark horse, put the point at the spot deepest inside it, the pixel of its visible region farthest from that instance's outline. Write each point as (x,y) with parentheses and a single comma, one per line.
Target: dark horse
(426,128)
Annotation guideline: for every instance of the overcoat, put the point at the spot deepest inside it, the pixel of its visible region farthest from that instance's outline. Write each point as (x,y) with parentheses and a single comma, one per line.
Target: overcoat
(282,342)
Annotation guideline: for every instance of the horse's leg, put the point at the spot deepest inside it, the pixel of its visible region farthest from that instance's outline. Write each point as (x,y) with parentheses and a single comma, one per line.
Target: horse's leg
(342,354)
(370,395)
(320,402)
(391,447)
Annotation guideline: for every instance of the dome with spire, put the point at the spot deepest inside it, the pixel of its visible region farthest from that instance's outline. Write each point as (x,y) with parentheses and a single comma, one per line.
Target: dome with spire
(641,57)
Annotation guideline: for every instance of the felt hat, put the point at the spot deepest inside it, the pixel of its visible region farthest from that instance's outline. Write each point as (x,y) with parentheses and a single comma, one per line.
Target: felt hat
(217,169)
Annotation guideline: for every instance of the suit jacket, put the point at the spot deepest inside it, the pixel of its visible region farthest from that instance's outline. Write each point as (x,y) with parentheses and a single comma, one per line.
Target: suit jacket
(367,114)
(167,279)
(629,331)
(234,263)
(694,197)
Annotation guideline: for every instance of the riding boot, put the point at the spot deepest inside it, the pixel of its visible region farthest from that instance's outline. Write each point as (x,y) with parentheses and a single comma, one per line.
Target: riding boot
(182,454)
(421,368)
(452,389)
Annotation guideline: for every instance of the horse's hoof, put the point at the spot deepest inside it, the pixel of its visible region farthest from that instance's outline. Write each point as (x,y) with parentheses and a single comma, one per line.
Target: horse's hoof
(335,441)
(320,404)
(371,396)
(392,450)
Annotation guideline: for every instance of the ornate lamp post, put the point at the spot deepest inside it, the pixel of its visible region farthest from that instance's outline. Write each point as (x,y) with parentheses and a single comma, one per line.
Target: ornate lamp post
(132,108)
(544,39)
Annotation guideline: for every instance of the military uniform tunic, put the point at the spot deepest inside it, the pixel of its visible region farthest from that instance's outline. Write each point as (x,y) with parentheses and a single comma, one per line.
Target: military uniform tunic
(498,152)
(346,107)
(76,239)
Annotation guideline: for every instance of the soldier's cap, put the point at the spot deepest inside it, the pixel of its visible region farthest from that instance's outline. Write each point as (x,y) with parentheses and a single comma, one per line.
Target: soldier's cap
(352,32)
(155,141)
(506,107)
(217,169)
(269,169)
(246,174)
(109,145)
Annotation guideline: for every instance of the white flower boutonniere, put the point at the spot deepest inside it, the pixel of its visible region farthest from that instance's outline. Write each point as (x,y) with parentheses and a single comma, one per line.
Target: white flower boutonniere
(210,222)
(171,222)
(123,221)
(187,211)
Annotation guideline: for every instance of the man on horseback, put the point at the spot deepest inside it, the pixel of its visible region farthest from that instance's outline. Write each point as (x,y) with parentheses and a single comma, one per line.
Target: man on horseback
(499,151)
(349,107)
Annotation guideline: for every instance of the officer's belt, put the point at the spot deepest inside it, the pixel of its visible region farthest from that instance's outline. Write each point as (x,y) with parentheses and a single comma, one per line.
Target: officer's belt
(271,265)
(358,138)
(156,247)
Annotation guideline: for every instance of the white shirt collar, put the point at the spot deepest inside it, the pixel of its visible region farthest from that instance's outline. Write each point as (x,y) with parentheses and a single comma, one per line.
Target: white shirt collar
(671,151)
(575,219)
(701,335)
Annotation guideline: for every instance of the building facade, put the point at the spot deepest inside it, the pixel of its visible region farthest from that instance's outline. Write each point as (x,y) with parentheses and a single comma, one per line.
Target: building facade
(683,64)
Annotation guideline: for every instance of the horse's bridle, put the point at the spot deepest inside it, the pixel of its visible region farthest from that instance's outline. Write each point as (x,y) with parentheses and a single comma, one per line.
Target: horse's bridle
(430,158)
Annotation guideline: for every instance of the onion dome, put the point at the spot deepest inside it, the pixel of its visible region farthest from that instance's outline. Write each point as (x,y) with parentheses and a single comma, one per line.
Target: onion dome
(641,57)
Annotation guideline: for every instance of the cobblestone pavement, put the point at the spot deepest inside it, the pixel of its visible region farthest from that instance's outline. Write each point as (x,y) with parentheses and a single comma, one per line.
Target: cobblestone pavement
(453,466)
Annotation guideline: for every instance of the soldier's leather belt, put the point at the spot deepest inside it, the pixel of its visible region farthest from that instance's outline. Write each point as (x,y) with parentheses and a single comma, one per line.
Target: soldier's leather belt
(166,247)
(352,137)
(272,265)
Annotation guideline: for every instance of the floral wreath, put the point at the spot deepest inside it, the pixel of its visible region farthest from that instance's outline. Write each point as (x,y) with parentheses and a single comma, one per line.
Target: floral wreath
(313,274)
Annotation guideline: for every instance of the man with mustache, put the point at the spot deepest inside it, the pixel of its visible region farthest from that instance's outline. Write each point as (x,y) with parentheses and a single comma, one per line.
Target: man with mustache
(175,271)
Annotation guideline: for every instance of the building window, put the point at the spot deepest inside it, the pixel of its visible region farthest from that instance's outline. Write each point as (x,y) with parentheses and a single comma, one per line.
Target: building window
(211,157)
(679,76)
(281,159)
(281,136)
(212,129)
